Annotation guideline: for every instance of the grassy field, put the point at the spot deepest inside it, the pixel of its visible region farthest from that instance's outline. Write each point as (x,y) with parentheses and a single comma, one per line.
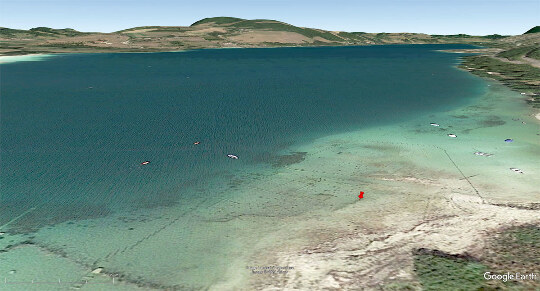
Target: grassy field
(519,52)
(439,271)
(513,250)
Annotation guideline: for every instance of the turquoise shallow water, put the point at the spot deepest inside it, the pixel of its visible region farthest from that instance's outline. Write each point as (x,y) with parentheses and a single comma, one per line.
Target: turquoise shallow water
(75,128)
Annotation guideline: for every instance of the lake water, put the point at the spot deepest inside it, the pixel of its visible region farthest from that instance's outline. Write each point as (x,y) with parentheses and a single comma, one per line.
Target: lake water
(76,128)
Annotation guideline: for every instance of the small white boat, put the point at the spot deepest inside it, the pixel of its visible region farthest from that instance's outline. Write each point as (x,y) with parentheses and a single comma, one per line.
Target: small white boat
(452,135)
(232,157)
(483,154)
(517,170)
(434,124)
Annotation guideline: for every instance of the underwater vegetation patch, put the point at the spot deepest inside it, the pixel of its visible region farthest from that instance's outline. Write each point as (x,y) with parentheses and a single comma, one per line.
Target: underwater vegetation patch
(45,216)
(492,121)
(286,160)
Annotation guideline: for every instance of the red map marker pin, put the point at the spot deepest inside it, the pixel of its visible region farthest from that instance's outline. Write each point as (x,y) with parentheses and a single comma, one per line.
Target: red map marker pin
(361,195)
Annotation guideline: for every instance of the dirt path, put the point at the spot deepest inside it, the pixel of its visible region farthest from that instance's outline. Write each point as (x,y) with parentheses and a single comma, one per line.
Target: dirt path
(525,61)
(531,61)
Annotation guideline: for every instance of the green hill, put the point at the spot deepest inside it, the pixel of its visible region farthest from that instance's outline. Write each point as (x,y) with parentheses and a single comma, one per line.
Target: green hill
(266,24)
(53,31)
(9,32)
(39,32)
(218,20)
(142,27)
(535,29)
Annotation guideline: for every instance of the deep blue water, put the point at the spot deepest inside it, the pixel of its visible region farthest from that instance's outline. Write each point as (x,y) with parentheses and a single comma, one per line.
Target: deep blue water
(75,128)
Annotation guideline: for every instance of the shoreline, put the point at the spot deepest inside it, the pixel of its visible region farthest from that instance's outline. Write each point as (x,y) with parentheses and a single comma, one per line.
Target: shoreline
(7,59)
(437,209)
(100,50)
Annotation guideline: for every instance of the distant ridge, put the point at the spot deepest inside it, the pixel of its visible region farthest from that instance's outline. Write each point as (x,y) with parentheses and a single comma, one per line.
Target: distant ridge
(39,32)
(223,32)
(535,29)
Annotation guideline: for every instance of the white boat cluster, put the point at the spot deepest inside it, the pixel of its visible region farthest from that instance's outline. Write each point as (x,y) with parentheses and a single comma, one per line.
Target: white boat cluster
(516,170)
